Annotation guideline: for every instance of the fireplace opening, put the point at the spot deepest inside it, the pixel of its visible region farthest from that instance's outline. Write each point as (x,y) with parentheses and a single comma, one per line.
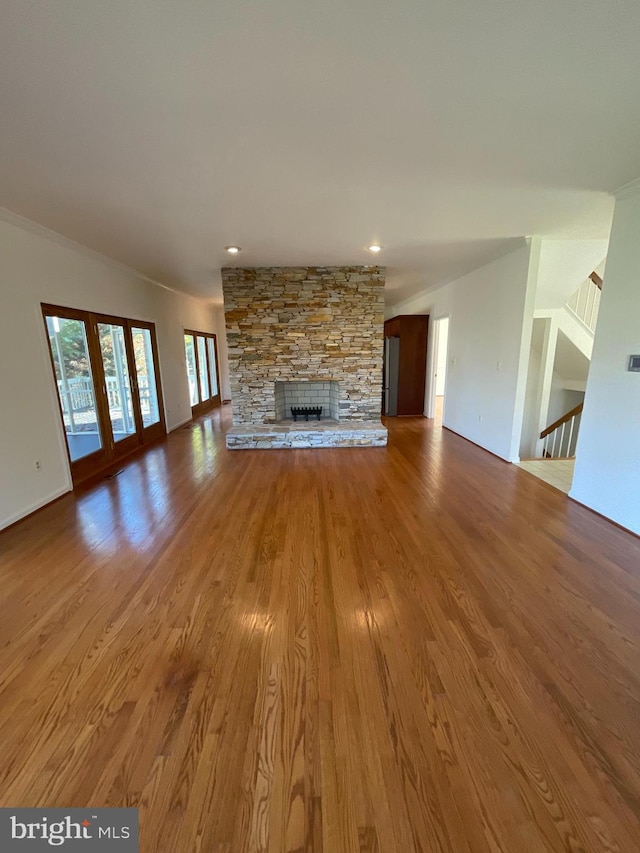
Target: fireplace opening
(296,397)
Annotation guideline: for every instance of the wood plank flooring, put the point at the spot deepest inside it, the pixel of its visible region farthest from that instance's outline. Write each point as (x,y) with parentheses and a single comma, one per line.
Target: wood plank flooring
(417,648)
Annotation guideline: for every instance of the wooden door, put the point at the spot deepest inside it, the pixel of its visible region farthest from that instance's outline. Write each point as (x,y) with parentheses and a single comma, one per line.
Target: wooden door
(201,352)
(106,374)
(412,331)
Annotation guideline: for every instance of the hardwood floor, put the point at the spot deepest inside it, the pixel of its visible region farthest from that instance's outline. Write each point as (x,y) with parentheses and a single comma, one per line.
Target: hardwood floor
(417,648)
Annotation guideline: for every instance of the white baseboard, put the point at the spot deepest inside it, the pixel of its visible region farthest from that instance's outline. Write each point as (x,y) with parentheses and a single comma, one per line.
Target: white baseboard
(23,513)
(181,424)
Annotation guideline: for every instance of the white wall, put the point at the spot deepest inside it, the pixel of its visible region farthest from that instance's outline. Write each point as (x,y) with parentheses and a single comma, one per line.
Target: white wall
(607,472)
(37,266)
(531,415)
(562,399)
(491,316)
(564,265)
(441,357)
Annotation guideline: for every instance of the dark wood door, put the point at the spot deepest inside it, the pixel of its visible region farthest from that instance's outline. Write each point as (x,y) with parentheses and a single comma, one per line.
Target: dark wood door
(412,330)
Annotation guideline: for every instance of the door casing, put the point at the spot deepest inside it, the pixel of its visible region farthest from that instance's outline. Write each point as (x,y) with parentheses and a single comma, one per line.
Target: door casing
(111,453)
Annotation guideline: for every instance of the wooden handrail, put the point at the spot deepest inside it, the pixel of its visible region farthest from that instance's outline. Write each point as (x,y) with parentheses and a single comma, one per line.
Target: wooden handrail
(563,420)
(596,279)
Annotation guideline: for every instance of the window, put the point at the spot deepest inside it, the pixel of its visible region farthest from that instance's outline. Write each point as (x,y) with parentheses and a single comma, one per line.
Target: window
(105,369)
(201,354)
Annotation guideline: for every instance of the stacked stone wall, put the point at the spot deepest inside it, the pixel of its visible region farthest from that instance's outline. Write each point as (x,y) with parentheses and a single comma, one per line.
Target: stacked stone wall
(304,323)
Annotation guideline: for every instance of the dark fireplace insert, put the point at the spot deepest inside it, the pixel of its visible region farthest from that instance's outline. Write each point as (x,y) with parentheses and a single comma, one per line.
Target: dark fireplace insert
(306,411)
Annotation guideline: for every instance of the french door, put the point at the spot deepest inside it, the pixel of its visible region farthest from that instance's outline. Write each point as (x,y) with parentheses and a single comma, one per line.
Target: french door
(201,353)
(106,374)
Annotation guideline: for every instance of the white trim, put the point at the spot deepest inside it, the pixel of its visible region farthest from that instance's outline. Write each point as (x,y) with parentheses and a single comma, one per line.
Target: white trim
(534,245)
(628,190)
(481,446)
(432,365)
(400,307)
(574,385)
(54,398)
(543,397)
(23,513)
(181,424)
(42,231)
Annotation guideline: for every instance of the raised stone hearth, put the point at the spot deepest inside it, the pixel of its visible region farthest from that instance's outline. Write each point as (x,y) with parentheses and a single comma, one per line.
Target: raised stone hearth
(311,434)
(309,336)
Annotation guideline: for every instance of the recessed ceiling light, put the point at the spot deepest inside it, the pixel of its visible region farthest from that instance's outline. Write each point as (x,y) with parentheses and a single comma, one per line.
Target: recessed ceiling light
(233,250)
(375,248)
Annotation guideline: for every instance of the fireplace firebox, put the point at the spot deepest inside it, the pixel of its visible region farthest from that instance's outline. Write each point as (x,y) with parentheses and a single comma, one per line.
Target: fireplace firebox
(305,399)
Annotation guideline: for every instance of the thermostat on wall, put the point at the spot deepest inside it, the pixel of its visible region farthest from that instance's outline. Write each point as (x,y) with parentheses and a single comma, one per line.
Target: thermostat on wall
(634,363)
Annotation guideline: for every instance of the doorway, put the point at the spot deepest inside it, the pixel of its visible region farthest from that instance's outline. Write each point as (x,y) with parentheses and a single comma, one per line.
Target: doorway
(201,354)
(438,372)
(106,374)
(390,370)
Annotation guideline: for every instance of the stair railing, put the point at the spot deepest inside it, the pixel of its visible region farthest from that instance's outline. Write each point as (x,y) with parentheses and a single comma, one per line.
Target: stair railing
(560,437)
(585,302)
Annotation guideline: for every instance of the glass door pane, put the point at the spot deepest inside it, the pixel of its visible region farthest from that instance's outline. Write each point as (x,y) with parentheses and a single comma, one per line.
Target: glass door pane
(202,368)
(145,370)
(190,351)
(116,375)
(212,364)
(74,379)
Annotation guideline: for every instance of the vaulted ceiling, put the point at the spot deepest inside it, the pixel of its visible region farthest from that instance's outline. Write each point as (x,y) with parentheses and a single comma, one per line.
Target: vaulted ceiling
(159,132)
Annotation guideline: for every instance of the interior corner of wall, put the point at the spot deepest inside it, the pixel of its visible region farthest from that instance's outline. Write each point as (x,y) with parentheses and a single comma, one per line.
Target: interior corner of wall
(533,272)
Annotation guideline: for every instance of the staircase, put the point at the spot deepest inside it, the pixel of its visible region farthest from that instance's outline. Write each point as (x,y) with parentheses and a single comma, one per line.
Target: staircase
(559,451)
(585,302)
(568,353)
(560,437)
(577,320)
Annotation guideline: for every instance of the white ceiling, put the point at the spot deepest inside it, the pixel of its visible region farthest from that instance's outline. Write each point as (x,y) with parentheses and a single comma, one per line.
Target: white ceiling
(157,132)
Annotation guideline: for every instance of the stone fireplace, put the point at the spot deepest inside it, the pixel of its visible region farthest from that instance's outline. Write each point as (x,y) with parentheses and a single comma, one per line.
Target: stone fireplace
(305,334)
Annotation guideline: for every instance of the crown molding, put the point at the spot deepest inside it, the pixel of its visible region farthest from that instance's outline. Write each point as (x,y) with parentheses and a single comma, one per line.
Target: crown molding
(29,225)
(519,243)
(628,190)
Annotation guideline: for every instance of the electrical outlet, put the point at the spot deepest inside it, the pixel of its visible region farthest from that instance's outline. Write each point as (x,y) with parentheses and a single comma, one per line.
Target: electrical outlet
(37,465)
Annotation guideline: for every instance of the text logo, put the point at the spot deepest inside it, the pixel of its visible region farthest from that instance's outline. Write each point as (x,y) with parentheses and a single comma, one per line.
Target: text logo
(79,830)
